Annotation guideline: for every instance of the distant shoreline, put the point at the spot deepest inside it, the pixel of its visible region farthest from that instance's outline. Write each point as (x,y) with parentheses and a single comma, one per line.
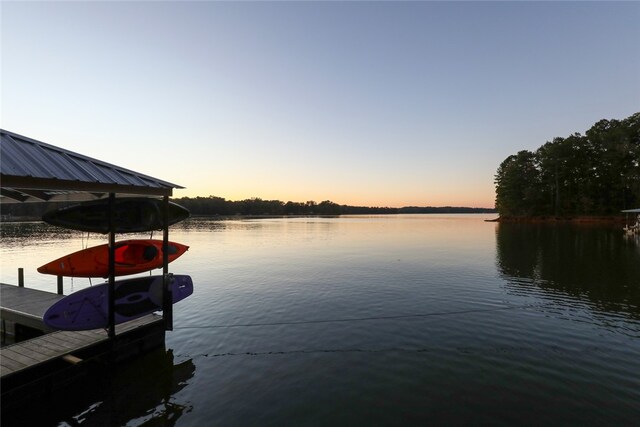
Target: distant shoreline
(16,218)
(536,219)
(218,206)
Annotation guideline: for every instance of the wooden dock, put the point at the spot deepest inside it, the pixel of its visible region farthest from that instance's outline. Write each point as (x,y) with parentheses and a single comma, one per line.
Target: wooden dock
(30,369)
(26,306)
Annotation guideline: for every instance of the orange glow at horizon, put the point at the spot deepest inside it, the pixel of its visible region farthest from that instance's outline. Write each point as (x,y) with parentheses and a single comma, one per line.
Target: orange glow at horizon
(399,201)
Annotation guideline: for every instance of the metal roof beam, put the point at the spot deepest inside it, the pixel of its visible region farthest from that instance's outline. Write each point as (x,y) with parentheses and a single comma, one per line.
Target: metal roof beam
(12,194)
(38,194)
(92,187)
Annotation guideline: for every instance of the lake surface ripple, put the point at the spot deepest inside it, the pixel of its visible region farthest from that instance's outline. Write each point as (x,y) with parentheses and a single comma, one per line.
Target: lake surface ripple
(381,320)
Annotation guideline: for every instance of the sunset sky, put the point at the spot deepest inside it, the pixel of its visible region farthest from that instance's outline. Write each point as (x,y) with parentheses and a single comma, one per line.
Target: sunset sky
(361,103)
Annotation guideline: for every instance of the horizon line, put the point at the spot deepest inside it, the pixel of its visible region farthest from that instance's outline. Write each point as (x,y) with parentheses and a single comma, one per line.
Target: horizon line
(339,204)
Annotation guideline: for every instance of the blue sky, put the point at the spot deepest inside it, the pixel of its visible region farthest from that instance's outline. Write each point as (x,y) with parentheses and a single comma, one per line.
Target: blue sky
(369,103)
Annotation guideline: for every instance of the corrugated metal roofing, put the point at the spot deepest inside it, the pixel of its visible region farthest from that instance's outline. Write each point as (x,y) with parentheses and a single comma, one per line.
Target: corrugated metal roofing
(29,167)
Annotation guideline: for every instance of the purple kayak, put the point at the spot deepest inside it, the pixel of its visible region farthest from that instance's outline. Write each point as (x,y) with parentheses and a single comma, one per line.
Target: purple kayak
(87,308)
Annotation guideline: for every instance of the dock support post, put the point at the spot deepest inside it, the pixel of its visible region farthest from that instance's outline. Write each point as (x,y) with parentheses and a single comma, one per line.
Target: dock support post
(21,277)
(59,285)
(167,297)
(111,316)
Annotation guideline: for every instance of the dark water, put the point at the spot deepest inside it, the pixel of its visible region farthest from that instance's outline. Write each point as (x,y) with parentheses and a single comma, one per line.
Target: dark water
(384,320)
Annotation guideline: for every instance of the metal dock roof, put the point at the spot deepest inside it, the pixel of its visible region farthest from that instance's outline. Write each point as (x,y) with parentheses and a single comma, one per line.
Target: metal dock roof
(32,170)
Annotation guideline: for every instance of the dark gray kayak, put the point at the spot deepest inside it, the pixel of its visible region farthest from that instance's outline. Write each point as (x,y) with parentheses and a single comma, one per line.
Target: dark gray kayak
(131,215)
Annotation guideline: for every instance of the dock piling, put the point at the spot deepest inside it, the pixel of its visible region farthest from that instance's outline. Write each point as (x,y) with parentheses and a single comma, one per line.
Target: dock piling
(21,277)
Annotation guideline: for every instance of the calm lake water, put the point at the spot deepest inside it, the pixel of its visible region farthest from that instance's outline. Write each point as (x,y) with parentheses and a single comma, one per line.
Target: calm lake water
(373,320)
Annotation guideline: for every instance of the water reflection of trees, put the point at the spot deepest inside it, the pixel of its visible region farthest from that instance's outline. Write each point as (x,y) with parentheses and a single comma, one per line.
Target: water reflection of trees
(592,263)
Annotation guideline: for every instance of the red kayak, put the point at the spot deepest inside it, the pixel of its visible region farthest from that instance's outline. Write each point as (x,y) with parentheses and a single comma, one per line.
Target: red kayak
(132,256)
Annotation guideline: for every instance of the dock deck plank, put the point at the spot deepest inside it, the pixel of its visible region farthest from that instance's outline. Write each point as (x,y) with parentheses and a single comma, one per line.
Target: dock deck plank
(28,306)
(8,365)
(17,355)
(42,351)
(57,341)
(27,354)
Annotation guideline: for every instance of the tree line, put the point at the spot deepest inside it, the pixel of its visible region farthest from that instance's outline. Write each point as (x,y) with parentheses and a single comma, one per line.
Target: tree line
(213,205)
(593,174)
